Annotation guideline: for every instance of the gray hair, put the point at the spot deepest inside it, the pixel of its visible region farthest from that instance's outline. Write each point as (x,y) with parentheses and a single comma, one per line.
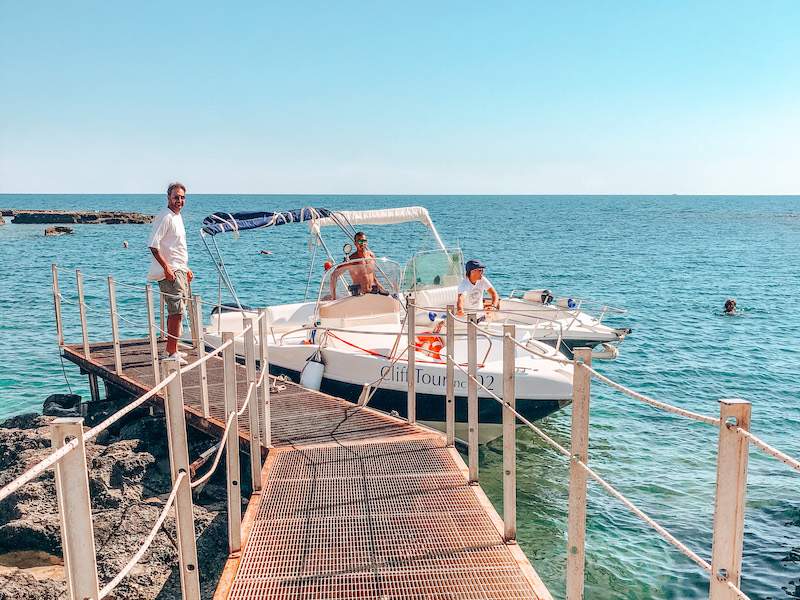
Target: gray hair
(174,185)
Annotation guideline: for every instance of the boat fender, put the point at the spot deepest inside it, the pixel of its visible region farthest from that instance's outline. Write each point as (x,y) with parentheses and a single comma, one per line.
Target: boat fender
(311,375)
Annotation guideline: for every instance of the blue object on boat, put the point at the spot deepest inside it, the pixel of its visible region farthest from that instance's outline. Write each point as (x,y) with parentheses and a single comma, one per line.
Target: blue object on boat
(571,303)
(221,222)
(432,316)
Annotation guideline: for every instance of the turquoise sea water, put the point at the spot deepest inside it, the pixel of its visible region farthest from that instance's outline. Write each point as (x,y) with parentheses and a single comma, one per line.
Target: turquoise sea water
(671,261)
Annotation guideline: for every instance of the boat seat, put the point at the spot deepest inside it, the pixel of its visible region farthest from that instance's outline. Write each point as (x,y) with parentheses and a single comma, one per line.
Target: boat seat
(438,297)
(369,309)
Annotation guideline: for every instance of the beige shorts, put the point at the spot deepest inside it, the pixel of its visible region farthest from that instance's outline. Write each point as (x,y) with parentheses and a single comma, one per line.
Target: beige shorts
(175,293)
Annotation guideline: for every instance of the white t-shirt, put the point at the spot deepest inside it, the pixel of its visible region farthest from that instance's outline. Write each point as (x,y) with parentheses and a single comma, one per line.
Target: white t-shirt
(473,293)
(169,236)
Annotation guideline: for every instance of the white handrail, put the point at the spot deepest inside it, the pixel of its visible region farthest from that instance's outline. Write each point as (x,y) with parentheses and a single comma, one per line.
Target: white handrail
(765,447)
(128,408)
(637,511)
(109,587)
(646,399)
(208,355)
(218,455)
(56,456)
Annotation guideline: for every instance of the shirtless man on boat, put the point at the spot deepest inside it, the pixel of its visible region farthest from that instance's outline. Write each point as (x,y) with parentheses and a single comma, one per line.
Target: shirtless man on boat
(472,288)
(362,273)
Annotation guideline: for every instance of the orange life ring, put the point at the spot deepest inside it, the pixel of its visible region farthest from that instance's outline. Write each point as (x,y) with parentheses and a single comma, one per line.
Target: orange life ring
(430,344)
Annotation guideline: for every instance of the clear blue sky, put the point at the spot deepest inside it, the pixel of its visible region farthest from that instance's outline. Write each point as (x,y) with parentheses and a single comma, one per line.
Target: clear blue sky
(401,97)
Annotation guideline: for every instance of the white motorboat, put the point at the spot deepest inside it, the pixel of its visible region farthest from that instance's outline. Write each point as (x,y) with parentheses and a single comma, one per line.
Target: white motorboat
(358,340)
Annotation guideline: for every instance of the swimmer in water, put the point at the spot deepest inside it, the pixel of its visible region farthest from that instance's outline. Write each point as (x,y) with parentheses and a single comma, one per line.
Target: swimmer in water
(730,306)
(267,252)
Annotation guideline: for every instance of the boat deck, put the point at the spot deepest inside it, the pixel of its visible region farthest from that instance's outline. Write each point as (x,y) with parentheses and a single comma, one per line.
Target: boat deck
(355,504)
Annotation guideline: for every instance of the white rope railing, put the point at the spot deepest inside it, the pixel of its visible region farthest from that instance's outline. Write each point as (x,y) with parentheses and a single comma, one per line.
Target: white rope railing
(766,448)
(200,481)
(109,587)
(250,388)
(38,469)
(607,486)
(561,361)
(56,456)
(208,355)
(647,400)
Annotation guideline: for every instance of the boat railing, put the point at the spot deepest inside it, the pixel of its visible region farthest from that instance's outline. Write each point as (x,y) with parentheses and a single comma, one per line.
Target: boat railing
(69,439)
(579,304)
(554,323)
(734,441)
(398,335)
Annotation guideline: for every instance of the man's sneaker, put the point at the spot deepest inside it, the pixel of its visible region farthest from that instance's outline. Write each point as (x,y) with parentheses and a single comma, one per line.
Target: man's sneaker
(177,356)
(179,353)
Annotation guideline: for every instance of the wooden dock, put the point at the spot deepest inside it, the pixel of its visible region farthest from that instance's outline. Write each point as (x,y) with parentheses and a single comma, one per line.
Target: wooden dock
(355,503)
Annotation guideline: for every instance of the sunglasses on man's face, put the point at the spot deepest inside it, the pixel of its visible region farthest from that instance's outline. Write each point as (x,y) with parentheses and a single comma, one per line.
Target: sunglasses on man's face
(361,242)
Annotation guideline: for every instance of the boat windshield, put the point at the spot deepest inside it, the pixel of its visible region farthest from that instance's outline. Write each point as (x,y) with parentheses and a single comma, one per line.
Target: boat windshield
(360,276)
(434,268)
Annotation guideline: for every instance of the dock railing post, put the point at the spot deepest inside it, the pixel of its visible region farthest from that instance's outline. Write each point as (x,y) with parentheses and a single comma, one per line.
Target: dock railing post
(450,396)
(579,449)
(152,336)
(726,545)
(82,312)
(201,352)
(75,511)
(411,379)
(112,303)
(179,463)
(57,307)
(232,448)
(252,407)
(509,435)
(266,418)
(472,396)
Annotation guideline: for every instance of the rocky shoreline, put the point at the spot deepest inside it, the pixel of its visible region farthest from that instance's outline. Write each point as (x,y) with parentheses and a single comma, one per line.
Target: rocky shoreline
(44,216)
(129,481)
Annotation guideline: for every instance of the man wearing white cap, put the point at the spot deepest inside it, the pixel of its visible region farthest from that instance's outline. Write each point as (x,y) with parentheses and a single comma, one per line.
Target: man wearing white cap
(472,288)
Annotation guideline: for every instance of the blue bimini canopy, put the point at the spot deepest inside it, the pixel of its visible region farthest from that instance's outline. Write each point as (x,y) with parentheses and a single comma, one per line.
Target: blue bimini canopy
(220,222)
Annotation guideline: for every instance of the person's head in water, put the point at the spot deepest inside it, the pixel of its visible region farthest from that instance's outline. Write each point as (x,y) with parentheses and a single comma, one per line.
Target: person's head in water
(730,306)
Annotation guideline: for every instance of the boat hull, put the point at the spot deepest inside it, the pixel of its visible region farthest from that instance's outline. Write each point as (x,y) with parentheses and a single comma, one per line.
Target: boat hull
(431,407)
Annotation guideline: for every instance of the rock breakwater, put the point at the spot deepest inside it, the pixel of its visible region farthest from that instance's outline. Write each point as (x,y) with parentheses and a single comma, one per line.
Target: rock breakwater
(41,217)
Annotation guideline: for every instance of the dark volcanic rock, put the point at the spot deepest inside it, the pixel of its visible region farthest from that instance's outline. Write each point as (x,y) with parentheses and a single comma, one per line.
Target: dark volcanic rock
(62,405)
(58,230)
(65,216)
(129,481)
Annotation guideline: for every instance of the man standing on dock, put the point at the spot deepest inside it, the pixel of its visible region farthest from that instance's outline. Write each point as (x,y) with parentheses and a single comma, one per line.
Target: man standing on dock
(170,264)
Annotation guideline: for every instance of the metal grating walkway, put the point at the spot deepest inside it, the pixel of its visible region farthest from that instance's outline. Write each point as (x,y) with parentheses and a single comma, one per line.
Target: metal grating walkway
(374,520)
(356,504)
